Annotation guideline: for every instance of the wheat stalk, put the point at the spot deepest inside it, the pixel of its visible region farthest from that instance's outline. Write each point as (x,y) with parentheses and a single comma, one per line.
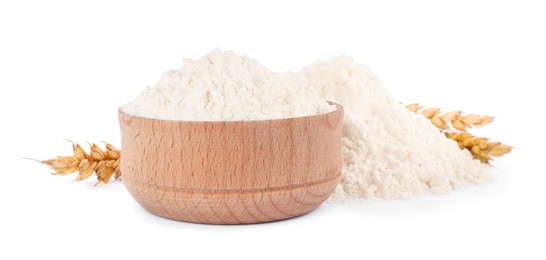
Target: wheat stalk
(455,126)
(104,163)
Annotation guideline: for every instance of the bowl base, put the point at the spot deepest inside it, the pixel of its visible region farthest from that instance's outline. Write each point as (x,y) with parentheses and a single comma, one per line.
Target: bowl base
(231,206)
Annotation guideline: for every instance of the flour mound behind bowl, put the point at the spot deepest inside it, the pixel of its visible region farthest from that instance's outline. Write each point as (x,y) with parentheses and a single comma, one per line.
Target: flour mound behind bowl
(388,151)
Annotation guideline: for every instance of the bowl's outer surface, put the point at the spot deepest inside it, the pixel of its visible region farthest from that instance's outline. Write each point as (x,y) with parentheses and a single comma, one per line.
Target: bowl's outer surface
(231,172)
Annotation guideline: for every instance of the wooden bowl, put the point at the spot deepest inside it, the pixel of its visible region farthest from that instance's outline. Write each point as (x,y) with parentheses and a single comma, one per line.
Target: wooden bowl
(231,172)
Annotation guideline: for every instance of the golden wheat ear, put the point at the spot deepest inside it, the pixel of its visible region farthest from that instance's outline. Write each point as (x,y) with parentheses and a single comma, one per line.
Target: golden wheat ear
(480,148)
(104,163)
(451,120)
(455,125)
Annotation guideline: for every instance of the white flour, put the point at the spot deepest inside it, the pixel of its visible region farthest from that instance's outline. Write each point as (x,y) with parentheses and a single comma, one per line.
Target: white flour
(224,86)
(388,151)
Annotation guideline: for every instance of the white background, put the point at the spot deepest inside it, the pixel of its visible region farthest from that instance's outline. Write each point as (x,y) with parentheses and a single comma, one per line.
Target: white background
(66,67)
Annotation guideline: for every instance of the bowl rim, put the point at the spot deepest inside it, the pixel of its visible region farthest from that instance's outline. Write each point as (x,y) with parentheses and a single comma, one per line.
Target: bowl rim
(339,108)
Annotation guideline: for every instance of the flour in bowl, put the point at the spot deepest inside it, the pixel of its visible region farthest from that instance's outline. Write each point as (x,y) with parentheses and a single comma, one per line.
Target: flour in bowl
(225,86)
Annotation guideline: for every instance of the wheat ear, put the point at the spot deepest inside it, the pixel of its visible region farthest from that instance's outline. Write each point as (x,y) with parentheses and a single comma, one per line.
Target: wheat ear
(480,147)
(455,126)
(104,163)
(452,119)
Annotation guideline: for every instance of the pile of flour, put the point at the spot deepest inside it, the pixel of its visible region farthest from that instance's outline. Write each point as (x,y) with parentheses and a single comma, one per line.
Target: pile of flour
(224,86)
(388,151)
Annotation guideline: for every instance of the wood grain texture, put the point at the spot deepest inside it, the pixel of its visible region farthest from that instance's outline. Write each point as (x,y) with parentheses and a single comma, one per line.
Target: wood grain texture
(231,172)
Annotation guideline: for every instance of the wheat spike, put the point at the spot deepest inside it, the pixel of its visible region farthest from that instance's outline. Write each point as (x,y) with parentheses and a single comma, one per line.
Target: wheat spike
(456,119)
(480,147)
(455,124)
(104,163)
